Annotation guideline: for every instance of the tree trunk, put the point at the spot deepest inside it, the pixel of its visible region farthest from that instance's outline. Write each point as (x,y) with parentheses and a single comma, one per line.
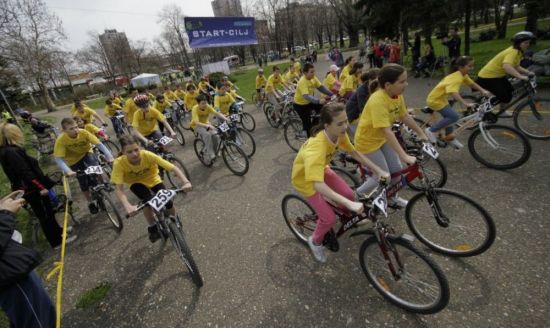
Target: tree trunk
(475,18)
(329,34)
(468,14)
(501,32)
(46,100)
(532,8)
(320,39)
(427,37)
(353,34)
(341,34)
(405,40)
(496,8)
(486,15)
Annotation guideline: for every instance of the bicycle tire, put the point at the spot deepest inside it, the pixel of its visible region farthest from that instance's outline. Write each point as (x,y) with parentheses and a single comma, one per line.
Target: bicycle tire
(230,149)
(247,121)
(179,135)
(442,237)
(249,147)
(199,146)
(370,245)
(270,116)
(301,222)
(105,201)
(291,130)
(350,180)
(185,121)
(511,134)
(113,147)
(172,178)
(534,112)
(439,170)
(185,253)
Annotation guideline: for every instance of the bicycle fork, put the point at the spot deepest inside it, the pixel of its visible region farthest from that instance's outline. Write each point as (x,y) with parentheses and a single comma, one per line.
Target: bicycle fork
(440,218)
(386,249)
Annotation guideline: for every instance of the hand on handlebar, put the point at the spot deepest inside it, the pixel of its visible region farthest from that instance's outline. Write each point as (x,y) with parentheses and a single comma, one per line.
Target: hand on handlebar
(187,186)
(322,101)
(409,160)
(356,207)
(524,78)
(531,74)
(70,173)
(131,210)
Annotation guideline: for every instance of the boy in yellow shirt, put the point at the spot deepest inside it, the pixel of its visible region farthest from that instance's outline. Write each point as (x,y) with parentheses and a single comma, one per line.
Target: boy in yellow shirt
(223,100)
(260,85)
(113,110)
(200,124)
(94,130)
(72,151)
(86,113)
(145,121)
(191,97)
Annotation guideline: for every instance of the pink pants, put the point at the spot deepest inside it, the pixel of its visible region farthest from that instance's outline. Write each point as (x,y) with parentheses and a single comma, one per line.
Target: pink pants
(325,214)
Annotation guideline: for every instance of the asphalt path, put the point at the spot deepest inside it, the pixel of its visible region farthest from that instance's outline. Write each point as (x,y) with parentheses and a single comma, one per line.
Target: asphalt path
(256,274)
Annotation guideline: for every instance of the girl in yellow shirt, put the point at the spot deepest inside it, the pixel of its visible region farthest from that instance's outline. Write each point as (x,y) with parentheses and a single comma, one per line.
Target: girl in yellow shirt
(374,136)
(313,178)
(331,79)
(191,96)
(450,86)
(139,169)
(352,81)
(348,64)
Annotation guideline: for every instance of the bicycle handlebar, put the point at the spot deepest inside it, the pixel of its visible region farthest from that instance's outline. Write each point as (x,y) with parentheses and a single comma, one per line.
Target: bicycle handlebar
(142,204)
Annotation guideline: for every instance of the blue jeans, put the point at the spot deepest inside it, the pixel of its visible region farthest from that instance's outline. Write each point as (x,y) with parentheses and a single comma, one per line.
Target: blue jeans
(27,304)
(449,118)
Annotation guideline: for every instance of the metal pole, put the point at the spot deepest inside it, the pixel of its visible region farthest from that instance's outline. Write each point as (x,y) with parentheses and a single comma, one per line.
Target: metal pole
(9,108)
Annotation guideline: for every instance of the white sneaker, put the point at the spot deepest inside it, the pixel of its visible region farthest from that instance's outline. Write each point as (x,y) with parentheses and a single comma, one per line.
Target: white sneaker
(455,143)
(398,202)
(318,251)
(431,136)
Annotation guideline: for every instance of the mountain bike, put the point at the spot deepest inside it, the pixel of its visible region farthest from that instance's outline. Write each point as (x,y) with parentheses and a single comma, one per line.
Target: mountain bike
(171,228)
(173,117)
(160,148)
(246,120)
(242,137)
(399,271)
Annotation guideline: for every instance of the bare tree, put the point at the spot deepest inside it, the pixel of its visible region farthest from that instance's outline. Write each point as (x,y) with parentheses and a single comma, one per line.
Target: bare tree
(139,50)
(94,57)
(349,17)
(171,17)
(29,40)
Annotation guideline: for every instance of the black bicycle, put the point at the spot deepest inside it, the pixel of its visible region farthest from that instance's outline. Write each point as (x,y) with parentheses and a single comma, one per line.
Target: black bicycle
(159,147)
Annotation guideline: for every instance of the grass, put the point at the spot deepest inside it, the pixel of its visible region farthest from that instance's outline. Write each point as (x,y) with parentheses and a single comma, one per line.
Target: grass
(94,296)
(246,79)
(97,103)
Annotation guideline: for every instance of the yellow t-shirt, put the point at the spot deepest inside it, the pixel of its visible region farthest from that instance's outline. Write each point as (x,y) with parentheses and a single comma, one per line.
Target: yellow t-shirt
(260,81)
(312,159)
(203,86)
(180,93)
(146,172)
(111,109)
(305,87)
(161,106)
(290,76)
(117,100)
(273,82)
(130,108)
(201,115)
(223,102)
(92,129)
(147,123)
(437,99)
(329,81)
(191,99)
(345,73)
(380,112)
(350,84)
(72,150)
(493,69)
(170,95)
(297,67)
(151,97)
(86,115)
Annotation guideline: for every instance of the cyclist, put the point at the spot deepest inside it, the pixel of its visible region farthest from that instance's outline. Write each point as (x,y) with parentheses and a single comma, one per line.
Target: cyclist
(201,125)
(348,65)
(180,92)
(260,85)
(304,101)
(223,100)
(94,130)
(291,76)
(72,151)
(205,87)
(232,86)
(161,104)
(374,136)
(313,178)
(169,94)
(86,113)
(130,108)
(438,99)
(296,65)
(145,121)
(352,81)
(116,99)
(493,76)
(110,111)
(139,169)
(191,96)
(331,79)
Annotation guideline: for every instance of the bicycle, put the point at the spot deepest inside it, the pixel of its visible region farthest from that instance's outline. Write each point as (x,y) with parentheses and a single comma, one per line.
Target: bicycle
(173,117)
(295,135)
(44,142)
(242,137)
(182,115)
(159,147)
(230,151)
(451,234)
(119,125)
(258,102)
(399,271)
(171,228)
(246,120)
(112,146)
(489,142)
(285,113)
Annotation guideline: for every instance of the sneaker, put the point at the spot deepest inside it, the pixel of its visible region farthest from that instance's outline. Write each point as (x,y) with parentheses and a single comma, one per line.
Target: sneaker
(93,208)
(318,251)
(455,143)
(398,202)
(154,234)
(431,136)
(506,114)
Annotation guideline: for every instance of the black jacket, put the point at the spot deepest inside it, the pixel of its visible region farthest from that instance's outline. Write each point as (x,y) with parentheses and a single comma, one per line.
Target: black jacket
(22,170)
(357,101)
(16,261)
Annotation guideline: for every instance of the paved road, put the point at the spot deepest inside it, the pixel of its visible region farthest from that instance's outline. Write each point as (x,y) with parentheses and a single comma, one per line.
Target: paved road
(257,275)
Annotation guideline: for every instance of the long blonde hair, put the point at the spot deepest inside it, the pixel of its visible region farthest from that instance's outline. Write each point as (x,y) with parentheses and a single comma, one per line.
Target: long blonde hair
(11,134)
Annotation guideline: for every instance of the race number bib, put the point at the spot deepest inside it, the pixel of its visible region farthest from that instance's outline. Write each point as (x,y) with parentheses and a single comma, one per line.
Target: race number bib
(162,198)
(234,117)
(382,202)
(93,170)
(224,127)
(165,140)
(429,149)
(120,117)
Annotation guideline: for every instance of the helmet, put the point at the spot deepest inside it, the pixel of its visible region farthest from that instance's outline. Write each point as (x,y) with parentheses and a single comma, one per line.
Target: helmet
(523,36)
(141,101)
(260,70)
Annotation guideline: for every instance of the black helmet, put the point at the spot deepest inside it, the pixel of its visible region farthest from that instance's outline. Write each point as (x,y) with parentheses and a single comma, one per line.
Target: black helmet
(523,36)
(141,101)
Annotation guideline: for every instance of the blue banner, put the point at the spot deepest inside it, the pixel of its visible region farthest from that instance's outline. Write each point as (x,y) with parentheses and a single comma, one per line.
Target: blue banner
(205,32)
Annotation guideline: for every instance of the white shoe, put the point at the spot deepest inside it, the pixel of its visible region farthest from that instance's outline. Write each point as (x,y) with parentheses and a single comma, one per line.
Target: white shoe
(455,143)
(318,251)
(398,201)
(431,136)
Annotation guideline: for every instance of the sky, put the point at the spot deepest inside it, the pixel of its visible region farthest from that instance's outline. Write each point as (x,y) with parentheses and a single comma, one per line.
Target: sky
(138,19)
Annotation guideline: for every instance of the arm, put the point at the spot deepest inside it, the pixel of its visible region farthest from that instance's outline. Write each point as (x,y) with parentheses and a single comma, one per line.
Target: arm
(167,126)
(459,98)
(105,152)
(410,122)
(63,166)
(477,87)
(511,70)
(394,144)
(186,184)
(130,209)
(141,137)
(324,90)
(524,71)
(219,115)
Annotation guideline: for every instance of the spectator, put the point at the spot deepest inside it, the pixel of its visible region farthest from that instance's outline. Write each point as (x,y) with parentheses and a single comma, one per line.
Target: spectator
(337,57)
(379,53)
(395,52)
(453,44)
(426,62)
(260,62)
(370,56)
(416,50)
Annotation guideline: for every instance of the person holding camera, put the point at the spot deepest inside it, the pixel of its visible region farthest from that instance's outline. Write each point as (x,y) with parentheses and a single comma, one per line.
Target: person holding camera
(453,43)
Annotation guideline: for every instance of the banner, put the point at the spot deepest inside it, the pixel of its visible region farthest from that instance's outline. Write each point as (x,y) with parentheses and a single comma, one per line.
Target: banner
(205,32)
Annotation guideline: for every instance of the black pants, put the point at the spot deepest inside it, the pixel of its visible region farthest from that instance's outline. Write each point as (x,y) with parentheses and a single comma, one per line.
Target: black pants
(145,194)
(43,209)
(304,111)
(86,181)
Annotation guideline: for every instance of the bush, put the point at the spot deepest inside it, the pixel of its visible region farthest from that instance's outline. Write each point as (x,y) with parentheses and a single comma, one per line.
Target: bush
(486,36)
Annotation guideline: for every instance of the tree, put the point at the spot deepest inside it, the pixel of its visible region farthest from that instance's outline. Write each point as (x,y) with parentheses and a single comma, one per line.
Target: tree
(94,57)
(171,17)
(29,40)
(533,10)
(349,17)
(468,14)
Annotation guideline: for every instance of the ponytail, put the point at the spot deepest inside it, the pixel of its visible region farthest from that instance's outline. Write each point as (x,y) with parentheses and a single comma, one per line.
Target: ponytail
(328,113)
(390,73)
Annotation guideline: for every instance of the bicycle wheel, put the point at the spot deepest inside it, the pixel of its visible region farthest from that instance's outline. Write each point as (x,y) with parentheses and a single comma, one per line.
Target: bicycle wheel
(113,147)
(172,178)
(185,253)
(500,147)
(350,180)
(185,120)
(107,205)
(299,216)
(245,140)
(450,223)
(234,158)
(272,117)
(294,134)
(532,117)
(418,284)
(247,122)
(200,151)
(434,171)
(179,135)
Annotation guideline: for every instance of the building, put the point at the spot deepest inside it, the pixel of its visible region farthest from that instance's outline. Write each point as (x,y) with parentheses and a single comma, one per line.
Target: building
(223,8)
(117,51)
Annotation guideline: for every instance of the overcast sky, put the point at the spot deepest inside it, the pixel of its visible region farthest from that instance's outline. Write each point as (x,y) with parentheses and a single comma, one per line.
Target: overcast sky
(137,18)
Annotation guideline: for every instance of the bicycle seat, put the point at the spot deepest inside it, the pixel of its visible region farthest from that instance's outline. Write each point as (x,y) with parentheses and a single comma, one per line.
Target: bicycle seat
(427,110)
